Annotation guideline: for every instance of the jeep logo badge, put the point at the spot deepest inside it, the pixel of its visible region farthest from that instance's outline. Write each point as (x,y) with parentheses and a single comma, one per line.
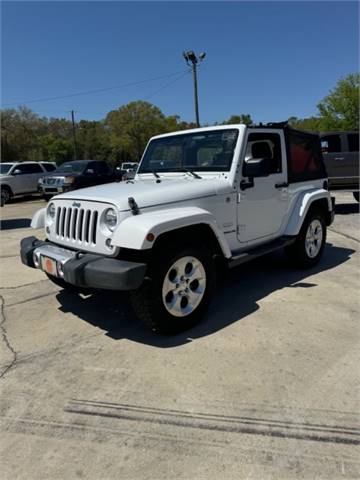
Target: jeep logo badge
(76,204)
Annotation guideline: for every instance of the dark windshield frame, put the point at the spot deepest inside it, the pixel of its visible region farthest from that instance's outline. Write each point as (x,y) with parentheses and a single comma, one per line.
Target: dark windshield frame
(83,165)
(225,140)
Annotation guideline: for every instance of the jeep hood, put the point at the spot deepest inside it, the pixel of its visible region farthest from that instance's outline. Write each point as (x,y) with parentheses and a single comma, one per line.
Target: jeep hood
(148,193)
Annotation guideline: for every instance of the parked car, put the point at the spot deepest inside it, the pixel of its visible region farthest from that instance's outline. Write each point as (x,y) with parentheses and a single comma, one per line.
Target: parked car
(200,198)
(341,156)
(21,178)
(74,175)
(127,170)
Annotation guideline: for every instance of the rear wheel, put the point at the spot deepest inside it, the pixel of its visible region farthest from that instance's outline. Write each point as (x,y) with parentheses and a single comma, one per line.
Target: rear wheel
(310,242)
(5,195)
(178,292)
(356,196)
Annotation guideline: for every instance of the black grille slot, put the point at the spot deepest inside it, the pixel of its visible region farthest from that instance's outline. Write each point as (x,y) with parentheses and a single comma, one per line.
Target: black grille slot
(93,227)
(58,215)
(73,226)
(87,225)
(62,226)
(80,226)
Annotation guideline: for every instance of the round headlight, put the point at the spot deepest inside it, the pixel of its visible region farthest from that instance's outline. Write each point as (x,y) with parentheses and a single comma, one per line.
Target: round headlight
(110,219)
(51,211)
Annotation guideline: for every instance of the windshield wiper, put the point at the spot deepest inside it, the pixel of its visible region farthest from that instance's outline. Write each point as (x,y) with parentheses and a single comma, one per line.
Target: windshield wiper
(156,175)
(195,175)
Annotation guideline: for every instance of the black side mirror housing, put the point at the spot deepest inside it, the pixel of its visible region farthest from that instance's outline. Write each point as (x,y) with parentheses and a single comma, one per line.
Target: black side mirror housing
(257,167)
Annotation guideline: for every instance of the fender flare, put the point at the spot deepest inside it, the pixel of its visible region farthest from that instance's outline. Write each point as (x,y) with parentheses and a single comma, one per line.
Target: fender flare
(301,208)
(132,232)
(38,220)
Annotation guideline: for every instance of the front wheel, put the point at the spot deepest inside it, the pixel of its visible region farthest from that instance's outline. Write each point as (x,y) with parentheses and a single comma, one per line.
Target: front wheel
(5,196)
(178,291)
(310,242)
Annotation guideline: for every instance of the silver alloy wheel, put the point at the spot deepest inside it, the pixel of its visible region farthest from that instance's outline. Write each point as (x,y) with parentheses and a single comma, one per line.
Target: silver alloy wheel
(184,286)
(314,238)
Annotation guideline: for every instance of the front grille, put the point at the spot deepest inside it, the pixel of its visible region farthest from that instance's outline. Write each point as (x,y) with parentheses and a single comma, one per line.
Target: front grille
(76,225)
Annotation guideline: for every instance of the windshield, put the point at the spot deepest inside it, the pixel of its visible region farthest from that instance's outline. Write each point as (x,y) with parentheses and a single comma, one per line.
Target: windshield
(71,167)
(4,168)
(199,151)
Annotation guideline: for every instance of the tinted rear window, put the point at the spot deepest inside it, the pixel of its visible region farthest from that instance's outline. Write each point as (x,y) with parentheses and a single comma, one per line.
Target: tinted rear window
(49,167)
(305,160)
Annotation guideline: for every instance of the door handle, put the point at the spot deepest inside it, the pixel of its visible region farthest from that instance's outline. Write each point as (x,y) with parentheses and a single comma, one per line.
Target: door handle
(281,185)
(339,158)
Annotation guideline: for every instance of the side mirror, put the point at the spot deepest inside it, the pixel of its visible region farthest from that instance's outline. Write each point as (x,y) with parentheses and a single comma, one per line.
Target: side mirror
(257,167)
(89,171)
(16,172)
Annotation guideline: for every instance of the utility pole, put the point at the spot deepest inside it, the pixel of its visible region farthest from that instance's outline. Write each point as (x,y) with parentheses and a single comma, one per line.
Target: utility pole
(190,57)
(74,134)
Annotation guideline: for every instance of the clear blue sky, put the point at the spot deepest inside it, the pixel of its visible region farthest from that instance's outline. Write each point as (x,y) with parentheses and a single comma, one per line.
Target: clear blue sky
(270,59)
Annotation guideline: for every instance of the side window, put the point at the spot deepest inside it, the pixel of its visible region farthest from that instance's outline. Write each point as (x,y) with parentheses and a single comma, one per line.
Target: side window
(101,168)
(353,142)
(21,168)
(27,168)
(33,168)
(331,144)
(305,160)
(265,145)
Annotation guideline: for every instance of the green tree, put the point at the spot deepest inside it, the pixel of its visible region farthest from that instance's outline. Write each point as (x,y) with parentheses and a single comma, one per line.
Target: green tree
(340,109)
(244,118)
(132,125)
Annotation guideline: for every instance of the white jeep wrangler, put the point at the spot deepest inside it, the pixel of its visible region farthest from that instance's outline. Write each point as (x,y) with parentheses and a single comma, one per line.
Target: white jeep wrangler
(219,194)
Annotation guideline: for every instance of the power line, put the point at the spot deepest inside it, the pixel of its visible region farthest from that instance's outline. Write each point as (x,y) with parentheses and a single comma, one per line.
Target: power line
(166,85)
(98,90)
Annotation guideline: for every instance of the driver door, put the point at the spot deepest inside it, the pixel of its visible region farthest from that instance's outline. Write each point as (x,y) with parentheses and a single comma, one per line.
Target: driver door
(263,201)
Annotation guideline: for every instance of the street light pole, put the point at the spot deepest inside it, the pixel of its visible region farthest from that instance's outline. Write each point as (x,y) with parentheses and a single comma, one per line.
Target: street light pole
(190,57)
(74,134)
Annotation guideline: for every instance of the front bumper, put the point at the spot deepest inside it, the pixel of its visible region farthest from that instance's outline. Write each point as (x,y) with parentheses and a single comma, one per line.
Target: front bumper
(54,190)
(84,269)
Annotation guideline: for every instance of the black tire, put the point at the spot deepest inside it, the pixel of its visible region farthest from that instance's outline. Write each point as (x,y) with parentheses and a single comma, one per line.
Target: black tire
(5,195)
(298,252)
(148,302)
(66,286)
(356,196)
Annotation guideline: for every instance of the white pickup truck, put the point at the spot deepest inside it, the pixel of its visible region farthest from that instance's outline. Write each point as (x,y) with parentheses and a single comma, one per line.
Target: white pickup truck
(200,198)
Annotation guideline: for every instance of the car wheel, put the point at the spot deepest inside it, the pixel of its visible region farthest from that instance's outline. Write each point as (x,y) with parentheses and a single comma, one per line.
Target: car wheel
(5,196)
(178,291)
(310,242)
(356,196)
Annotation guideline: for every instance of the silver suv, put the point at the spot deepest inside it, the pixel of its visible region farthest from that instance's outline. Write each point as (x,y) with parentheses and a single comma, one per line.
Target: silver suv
(21,178)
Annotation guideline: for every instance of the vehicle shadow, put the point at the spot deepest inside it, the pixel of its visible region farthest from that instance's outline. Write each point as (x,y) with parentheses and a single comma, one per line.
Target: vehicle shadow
(14,223)
(237,296)
(347,208)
